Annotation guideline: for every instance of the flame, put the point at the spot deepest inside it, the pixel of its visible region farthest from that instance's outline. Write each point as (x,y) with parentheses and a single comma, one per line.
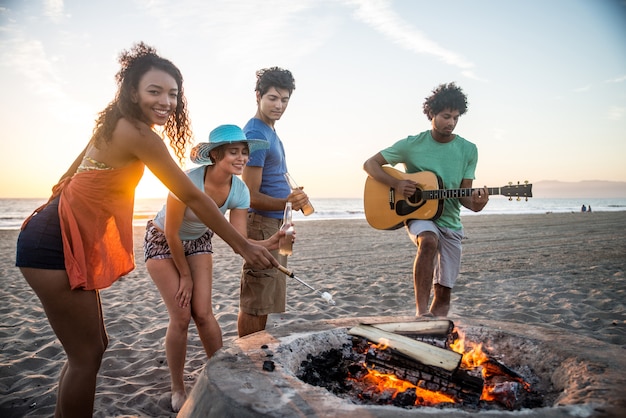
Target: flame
(383,343)
(389,382)
(473,358)
(473,354)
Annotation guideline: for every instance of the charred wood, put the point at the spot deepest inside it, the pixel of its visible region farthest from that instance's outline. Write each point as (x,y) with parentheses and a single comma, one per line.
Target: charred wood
(458,384)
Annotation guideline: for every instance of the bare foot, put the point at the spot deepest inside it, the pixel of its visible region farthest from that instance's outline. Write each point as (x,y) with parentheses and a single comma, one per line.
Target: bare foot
(178,399)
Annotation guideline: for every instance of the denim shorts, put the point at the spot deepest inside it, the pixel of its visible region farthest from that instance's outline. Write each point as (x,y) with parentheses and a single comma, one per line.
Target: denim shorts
(39,244)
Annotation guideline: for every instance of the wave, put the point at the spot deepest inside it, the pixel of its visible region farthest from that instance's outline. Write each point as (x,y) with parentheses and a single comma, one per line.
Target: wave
(14,211)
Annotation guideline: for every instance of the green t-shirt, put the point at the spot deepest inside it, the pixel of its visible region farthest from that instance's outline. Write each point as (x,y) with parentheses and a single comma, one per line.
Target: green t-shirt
(452,161)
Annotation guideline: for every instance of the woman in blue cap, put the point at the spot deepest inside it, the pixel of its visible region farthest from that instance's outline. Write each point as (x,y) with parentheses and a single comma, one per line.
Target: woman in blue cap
(178,249)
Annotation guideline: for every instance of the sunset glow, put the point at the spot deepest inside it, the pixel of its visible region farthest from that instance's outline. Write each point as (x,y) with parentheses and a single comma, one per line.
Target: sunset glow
(545,102)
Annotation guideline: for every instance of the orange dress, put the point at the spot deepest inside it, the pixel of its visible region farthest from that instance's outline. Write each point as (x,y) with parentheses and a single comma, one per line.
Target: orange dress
(96,214)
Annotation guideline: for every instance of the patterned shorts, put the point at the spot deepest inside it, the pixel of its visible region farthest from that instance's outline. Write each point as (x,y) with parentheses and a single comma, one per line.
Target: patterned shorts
(155,244)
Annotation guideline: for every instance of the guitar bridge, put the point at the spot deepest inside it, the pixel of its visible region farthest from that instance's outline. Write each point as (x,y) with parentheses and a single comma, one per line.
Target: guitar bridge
(392,198)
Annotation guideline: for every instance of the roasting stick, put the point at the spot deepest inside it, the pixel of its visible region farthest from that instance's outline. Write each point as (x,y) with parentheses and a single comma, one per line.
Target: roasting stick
(325,295)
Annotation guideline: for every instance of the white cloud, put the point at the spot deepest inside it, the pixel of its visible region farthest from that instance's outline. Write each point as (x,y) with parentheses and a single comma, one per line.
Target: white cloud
(53,9)
(616,113)
(35,71)
(582,89)
(226,19)
(379,15)
(470,74)
(619,79)
(28,59)
(240,30)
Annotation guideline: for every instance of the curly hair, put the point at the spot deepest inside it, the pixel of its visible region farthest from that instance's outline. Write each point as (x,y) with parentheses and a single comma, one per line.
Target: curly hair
(445,96)
(274,77)
(136,62)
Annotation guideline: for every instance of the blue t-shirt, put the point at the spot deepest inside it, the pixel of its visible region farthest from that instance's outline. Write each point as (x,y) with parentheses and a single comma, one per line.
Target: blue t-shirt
(452,161)
(272,161)
(192,227)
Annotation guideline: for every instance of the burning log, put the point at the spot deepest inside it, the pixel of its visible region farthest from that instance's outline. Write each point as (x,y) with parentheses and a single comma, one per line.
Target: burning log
(416,350)
(436,332)
(457,384)
(422,364)
(441,327)
(493,367)
(386,368)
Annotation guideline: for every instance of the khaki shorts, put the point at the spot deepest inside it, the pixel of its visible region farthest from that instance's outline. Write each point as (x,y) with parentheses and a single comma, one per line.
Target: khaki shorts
(448,258)
(263,291)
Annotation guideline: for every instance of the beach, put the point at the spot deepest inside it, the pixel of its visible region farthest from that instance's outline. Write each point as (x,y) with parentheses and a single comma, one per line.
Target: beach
(562,270)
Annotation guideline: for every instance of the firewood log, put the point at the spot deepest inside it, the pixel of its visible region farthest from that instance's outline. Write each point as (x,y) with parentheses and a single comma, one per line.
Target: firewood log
(416,350)
(434,327)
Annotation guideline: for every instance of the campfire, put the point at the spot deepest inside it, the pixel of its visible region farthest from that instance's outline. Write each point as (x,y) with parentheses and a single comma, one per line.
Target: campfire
(416,364)
(536,371)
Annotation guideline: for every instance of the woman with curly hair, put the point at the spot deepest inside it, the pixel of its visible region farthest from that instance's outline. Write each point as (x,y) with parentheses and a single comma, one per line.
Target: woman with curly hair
(454,160)
(81,240)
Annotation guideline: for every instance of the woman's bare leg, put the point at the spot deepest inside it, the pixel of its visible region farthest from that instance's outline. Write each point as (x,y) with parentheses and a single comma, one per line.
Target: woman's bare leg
(165,276)
(76,318)
(209,330)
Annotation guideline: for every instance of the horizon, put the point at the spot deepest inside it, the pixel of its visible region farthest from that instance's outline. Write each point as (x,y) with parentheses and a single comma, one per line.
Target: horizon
(543,189)
(545,102)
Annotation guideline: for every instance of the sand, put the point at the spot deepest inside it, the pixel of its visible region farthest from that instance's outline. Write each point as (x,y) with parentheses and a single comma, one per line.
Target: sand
(561,270)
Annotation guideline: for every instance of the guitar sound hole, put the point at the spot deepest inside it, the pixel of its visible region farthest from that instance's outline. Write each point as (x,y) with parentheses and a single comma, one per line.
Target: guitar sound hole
(416,197)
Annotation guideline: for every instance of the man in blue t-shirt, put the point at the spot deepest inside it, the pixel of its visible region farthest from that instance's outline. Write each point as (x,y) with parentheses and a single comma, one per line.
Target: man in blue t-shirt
(453,159)
(264,291)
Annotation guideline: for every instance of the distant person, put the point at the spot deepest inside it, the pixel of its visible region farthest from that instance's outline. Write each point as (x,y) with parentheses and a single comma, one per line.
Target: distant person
(589,208)
(263,291)
(583,208)
(81,241)
(454,159)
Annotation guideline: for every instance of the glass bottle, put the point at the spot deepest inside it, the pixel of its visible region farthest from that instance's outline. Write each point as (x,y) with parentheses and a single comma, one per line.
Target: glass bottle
(307,209)
(285,244)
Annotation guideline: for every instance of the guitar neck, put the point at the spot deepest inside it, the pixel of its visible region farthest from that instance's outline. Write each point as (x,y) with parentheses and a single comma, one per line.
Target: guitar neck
(456,193)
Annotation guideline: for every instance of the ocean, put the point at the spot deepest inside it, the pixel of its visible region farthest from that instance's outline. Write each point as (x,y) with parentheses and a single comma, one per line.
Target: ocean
(14,211)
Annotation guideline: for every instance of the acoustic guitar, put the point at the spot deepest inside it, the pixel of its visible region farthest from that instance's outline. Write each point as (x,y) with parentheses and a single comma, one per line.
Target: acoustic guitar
(386,210)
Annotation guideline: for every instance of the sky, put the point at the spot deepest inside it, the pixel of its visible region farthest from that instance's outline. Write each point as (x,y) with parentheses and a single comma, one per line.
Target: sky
(545,80)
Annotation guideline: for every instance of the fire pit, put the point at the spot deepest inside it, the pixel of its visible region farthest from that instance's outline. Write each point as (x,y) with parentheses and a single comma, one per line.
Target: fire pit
(258,375)
(421,363)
